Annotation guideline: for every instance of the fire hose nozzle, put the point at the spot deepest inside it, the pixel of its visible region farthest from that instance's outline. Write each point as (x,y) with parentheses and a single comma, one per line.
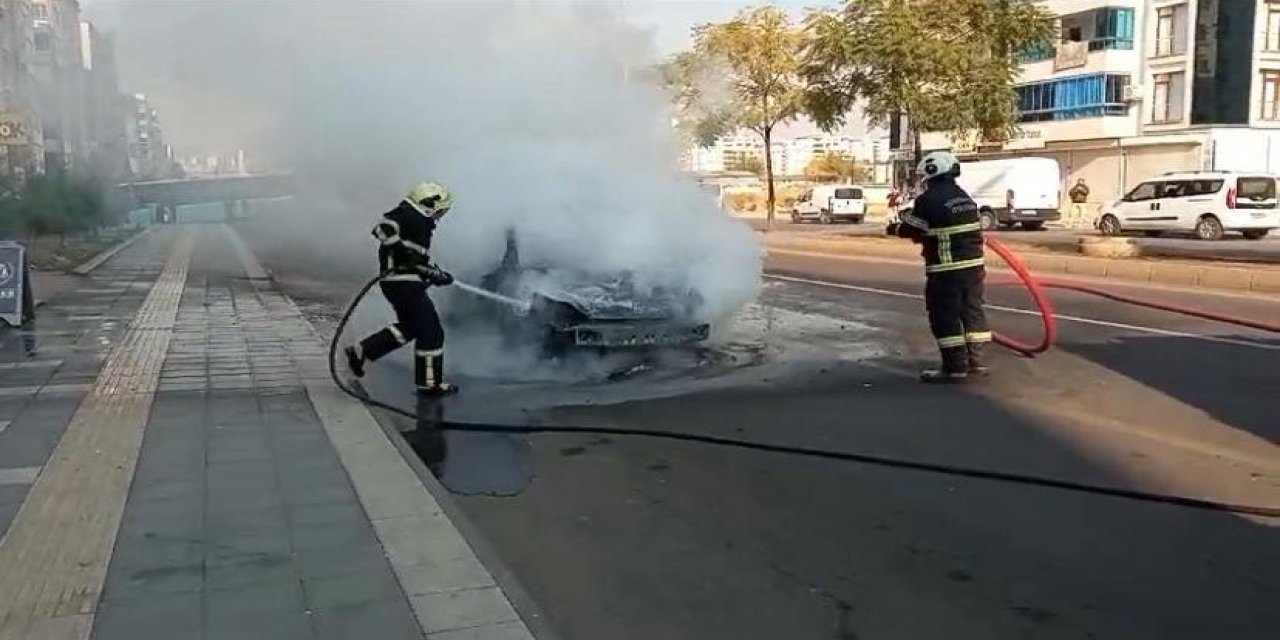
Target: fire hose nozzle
(521,307)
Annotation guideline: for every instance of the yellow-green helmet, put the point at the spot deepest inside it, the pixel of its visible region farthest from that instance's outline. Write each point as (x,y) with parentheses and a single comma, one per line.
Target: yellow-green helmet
(431,199)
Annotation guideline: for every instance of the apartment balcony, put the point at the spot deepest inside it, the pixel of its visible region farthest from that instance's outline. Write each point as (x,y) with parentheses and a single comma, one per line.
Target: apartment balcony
(1099,40)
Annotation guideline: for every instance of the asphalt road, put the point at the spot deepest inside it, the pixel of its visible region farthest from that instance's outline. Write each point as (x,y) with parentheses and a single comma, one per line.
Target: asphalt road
(1231,248)
(626,538)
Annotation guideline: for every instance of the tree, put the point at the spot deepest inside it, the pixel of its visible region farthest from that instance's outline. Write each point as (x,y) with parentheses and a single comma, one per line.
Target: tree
(947,65)
(743,73)
(832,167)
(53,204)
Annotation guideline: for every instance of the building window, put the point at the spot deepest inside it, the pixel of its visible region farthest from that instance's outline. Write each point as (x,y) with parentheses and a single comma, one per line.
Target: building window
(1272,25)
(1037,53)
(41,11)
(1086,96)
(43,41)
(1171,30)
(1167,99)
(1112,29)
(1270,95)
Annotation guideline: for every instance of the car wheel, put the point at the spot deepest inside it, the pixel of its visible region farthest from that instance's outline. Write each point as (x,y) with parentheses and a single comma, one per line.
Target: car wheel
(1109,226)
(1209,228)
(825,218)
(1035,225)
(795,217)
(856,220)
(987,219)
(1255,234)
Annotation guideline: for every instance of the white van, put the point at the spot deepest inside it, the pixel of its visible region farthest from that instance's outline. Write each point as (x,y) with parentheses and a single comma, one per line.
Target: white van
(1014,190)
(828,203)
(1204,203)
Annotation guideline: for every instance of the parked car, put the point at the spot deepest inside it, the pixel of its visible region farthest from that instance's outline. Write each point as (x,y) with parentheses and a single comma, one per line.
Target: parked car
(1207,204)
(831,202)
(1026,191)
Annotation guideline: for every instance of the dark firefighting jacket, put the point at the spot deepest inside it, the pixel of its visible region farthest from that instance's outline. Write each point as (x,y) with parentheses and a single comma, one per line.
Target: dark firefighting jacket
(945,221)
(404,253)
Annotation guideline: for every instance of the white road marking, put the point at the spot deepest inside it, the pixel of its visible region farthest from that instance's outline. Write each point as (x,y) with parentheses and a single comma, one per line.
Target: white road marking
(19,475)
(30,364)
(1028,312)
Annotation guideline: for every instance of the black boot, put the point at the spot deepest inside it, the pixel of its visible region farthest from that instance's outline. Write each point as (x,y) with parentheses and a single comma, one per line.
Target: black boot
(955,367)
(380,344)
(428,374)
(942,376)
(355,361)
(977,363)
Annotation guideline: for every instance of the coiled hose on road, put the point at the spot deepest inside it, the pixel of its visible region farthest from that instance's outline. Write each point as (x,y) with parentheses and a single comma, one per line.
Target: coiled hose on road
(1041,299)
(1042,302)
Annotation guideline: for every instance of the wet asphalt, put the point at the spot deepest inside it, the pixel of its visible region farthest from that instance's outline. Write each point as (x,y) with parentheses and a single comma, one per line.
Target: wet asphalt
(619,537)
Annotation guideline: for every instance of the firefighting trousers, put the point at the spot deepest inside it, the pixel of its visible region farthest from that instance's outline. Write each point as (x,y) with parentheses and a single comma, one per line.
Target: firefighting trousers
(957,318)
(417,322)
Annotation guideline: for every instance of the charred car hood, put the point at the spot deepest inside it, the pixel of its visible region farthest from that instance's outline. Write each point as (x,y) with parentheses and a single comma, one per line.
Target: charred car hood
(613,298)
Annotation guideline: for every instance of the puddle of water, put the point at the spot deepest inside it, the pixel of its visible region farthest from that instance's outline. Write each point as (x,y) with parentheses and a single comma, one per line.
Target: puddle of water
(472,464)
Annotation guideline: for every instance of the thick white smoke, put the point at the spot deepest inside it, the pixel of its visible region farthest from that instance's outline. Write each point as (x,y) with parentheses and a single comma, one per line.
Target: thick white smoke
(533,112)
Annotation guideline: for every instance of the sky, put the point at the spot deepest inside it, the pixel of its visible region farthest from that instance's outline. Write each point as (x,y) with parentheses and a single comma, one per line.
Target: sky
(668,21)
(671,20)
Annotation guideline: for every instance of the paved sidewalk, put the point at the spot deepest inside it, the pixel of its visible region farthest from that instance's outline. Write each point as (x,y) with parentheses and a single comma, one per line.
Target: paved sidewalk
(212,483)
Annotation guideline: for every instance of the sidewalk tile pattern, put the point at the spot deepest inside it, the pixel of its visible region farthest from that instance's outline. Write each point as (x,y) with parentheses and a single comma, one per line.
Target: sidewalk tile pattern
(242,522)
(54,556)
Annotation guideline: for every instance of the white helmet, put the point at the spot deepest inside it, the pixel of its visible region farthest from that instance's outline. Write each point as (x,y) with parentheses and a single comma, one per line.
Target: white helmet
(939,163)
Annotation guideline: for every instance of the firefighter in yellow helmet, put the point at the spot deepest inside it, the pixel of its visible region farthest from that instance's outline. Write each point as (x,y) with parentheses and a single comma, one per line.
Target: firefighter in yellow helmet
(404,259)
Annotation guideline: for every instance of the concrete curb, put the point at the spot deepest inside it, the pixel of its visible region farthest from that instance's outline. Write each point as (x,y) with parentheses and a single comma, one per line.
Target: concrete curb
(98,260)
(1253,278)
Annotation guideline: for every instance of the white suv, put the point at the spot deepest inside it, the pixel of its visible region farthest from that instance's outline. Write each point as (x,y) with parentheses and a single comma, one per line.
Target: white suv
(1205,203)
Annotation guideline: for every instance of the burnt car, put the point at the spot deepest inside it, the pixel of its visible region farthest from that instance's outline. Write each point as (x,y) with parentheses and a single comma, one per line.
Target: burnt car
(570,308)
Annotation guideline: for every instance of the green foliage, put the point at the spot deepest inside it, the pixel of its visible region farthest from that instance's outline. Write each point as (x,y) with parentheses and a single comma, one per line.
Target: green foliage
(833,167)
(744,73)
(52,205)
(948,65)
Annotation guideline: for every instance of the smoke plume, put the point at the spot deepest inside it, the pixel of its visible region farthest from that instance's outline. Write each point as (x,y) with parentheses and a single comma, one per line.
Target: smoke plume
(538,115)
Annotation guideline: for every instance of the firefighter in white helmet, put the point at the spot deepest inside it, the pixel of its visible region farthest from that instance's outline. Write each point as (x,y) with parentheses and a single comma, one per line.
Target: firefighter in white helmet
(945,221)
(404,259)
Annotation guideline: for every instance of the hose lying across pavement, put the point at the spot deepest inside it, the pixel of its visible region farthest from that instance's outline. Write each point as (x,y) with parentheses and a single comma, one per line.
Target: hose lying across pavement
(862,458)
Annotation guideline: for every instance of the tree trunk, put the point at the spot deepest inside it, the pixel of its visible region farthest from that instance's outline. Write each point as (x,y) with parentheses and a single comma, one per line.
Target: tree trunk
(768,176)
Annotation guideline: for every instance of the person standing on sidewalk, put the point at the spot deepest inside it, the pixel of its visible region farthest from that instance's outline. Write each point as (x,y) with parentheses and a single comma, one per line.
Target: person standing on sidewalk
(404,260)
(1079,205)
(946,222)
(896,198)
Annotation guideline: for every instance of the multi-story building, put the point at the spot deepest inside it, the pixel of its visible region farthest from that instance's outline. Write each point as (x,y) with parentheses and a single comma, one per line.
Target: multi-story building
(58,66)
(21,135)
(1134,88)
(149,156)
(105,108)
(790,156)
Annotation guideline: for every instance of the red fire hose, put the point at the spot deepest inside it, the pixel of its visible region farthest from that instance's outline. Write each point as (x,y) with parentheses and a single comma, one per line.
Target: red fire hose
(1040,297)
(1037,294)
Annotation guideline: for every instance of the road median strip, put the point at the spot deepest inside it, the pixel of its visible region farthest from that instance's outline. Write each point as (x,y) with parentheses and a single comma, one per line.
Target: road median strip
(1249,278)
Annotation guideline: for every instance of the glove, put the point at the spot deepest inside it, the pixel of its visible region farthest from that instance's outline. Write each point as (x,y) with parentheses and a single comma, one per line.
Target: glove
(437,277)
